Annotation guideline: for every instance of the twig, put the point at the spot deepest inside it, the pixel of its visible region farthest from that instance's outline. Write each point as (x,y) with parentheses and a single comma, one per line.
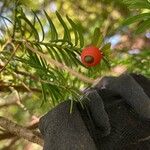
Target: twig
(20,131)
(60,65)
(13,53)
(6,43)
(8,135)
(28,89)
(5,87)
(11,100)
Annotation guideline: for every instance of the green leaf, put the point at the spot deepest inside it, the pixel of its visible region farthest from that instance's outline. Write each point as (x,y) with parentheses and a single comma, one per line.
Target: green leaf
(62,41)
(106,61)
(71,106)
(138,4)
(17,28)
(43,34)
(106,48)
(136,18)
(97,38)
(58,73)
(34,58)
(43,63)
(54,34)
(50,51)
(66,30)
(73,25)
(6,19)
(55,93)
(81,38)
(44,88)
(65,57)
(77,32)
(71,57)
(145,25)
(5,24)
(22,16)
(57,55)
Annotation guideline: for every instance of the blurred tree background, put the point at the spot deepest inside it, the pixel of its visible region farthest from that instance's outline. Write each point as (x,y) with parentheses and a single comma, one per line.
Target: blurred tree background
(40,46)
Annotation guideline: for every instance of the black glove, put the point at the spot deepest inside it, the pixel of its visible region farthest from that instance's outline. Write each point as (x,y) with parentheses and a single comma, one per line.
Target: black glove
(127,87)
(128,108)
(64,131)
(105,123)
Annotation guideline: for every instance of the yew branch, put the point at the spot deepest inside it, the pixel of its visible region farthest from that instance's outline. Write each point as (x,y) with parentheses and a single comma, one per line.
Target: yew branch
(20,131)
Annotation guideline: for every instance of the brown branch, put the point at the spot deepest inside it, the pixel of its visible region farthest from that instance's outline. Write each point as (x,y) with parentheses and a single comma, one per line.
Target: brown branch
(8,104)
(8,135)
(33,126)
(60,65)
(20,131)
(5,87)
(8,101)
(12,100)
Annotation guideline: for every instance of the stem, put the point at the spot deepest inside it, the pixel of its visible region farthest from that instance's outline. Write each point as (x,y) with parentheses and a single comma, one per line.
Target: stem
(60,65)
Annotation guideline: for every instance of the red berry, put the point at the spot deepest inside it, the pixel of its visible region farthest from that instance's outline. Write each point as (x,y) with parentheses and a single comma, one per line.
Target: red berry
(91,56)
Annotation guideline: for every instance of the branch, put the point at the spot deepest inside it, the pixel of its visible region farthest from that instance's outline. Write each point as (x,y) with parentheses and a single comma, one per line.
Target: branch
(13,99)
(12,55)
(8,135)
(60,65)
(5,87)
(20,131)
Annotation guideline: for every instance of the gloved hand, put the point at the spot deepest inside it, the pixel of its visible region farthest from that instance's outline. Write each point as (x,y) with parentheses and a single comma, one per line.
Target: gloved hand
(127,87)
(105,123)
(128,109)
(64,131)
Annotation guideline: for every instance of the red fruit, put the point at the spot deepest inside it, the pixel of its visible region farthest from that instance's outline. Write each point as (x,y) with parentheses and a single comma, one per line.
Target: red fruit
(91,56)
